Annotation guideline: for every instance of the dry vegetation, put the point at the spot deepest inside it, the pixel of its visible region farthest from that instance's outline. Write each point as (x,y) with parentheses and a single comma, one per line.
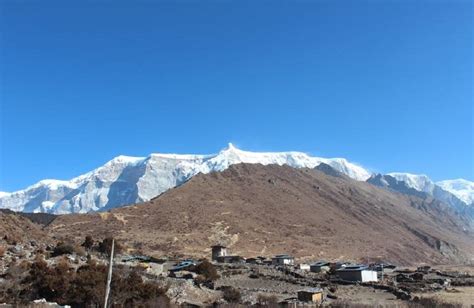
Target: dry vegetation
(273,209)
(79,287)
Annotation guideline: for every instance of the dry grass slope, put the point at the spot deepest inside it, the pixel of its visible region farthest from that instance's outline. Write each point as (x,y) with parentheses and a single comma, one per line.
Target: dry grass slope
(263,210)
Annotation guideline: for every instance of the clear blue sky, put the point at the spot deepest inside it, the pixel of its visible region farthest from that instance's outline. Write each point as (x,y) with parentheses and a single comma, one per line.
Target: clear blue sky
(387,84)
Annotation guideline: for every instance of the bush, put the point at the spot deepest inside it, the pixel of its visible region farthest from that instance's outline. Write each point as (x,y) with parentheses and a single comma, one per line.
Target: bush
(11,239)
(88,243)
(231,295)
(62,249)
(85,287)
(267,300)
(106,246)
(207,270)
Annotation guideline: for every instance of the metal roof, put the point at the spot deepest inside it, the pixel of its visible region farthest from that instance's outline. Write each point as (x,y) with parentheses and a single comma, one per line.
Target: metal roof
(312,290)
(283,257)
(354,267)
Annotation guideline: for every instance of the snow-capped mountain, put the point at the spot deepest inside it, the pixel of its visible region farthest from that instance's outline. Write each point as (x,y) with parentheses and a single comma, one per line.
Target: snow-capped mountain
(457,193)
(461,188)
(125,180)
(419,182)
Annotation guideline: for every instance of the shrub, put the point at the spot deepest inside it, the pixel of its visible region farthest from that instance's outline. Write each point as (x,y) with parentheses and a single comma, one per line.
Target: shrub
(79,250)
(62,249)
(231,295)
(85,287)
(106,246)
(11,239)
(88,243)
(207,270)
(267,300)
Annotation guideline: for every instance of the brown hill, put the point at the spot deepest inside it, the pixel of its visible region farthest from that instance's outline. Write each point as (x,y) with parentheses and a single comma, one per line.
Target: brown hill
(265,210)
(16,228)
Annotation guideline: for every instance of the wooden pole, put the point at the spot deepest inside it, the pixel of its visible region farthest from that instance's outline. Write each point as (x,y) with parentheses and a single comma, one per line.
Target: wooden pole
(109,275)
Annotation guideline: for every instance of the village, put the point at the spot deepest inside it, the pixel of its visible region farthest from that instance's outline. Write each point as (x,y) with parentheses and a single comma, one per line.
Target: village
(222,279)
(280,281)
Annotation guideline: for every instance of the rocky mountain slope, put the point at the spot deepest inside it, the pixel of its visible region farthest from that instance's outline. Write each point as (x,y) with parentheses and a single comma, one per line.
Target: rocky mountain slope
(456,193)
(126,180)
(265,210)
(17,228)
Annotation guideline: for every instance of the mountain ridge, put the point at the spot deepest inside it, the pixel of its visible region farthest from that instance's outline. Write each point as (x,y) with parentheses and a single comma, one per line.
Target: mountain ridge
(266,210)
(126,179)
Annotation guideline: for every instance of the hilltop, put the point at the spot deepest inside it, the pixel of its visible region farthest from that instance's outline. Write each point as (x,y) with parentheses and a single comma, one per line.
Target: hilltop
(265,210)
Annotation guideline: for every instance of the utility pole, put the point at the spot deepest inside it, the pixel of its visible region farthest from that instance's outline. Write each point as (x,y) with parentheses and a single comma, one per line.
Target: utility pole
(109,275)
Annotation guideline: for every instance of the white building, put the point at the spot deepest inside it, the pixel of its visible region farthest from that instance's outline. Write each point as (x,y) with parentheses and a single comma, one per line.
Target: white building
(218,251)
(283,260)
(357,273)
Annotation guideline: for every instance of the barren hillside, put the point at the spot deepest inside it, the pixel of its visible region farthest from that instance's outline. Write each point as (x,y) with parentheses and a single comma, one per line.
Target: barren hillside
(265,210)
(16,228)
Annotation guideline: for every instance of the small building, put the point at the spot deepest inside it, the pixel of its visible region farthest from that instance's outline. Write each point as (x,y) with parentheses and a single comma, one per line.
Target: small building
(320,266)
(218,251)
(304,266)
(357,273)
(283,260)
(312,295)
(382,267)
(230,259)
(253,261)
(424,269)
(267,262)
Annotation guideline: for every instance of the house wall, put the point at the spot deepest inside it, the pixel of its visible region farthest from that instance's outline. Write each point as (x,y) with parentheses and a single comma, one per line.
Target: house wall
(369,276)
(305,267)
(317,298)
(310,297)
(288,261)
(276,261)
(363,276)
(350,275)
(218,252)
(317,269)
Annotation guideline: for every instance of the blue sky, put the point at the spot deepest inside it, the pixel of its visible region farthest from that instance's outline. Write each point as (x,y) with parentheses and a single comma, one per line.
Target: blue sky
(387,84)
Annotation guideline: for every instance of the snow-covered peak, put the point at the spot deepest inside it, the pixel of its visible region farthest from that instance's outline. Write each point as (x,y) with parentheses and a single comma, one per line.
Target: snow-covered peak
(123,159)
(463,189)
(419,182)
(3,194)
(126,179)
(232,155)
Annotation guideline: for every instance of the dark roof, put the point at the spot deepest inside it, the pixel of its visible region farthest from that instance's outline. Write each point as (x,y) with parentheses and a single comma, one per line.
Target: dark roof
(320,263)
(312,290)
(354,267)
(218,246)
(182,265)
(283,257)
